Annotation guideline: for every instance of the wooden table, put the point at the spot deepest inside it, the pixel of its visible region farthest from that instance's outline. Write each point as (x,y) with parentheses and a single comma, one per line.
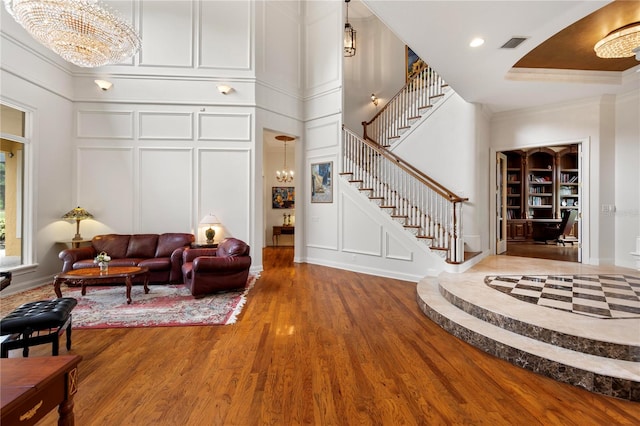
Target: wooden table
(93,276)
(280,230)
(31,387)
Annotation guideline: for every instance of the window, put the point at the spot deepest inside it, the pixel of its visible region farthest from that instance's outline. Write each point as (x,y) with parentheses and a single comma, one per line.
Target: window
(12,155)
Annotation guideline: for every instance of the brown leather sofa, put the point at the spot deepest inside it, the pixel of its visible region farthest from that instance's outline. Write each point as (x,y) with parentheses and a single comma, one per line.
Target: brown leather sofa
(209,270)
(160,253)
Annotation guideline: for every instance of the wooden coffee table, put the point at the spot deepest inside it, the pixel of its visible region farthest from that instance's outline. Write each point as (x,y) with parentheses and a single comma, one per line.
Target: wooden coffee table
(94,276)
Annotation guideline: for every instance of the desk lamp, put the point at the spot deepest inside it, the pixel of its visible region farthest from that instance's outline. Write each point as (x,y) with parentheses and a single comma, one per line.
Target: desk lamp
(77,214)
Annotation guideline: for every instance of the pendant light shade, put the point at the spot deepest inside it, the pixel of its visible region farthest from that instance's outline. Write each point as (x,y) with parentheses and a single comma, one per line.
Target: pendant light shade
(349,36)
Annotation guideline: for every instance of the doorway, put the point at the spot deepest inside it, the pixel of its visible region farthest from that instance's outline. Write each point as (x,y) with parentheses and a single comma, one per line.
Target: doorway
(538,199)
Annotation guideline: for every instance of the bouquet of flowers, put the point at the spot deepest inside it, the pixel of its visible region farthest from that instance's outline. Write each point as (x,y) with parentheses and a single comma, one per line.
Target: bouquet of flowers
(102,259)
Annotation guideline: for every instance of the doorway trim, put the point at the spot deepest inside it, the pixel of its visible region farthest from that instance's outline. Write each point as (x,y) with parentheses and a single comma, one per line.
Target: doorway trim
(584,160)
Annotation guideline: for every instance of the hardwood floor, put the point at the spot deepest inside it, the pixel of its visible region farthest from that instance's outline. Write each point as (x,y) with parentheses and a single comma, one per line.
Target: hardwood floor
(317,346)
(566,253)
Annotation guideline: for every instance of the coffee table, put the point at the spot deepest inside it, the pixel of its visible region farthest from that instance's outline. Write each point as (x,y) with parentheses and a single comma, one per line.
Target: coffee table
(94,276)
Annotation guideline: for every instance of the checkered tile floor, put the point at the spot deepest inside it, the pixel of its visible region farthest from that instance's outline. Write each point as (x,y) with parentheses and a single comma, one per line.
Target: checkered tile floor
(600,296)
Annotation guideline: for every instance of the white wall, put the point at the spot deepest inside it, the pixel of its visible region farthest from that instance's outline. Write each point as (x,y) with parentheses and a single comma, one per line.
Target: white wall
(377,68)
(608,130)
(627,177)
(36,82)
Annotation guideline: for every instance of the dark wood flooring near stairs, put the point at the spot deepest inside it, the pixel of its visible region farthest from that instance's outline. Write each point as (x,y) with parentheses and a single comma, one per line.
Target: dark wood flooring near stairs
(317,346)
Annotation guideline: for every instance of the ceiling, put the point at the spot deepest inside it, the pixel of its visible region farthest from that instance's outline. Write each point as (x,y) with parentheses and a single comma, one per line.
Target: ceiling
(555,63)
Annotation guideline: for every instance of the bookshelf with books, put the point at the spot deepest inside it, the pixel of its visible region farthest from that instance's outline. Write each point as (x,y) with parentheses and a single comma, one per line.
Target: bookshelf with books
(569,181)
(540,182)
(515,166)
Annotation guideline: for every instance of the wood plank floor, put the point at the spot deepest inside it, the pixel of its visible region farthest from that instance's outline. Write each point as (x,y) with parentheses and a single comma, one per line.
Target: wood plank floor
(317,346)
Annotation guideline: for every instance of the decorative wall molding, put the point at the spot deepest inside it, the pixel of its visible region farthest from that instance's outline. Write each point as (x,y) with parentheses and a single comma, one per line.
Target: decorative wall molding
(104,124)
(165,125)
(225,126)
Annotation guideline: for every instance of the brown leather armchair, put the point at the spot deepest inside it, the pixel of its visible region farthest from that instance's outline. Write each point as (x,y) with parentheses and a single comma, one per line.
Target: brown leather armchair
(207,270)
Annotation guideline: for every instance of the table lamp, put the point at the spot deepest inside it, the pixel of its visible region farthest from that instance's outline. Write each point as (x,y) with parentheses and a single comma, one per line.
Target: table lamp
(210,233)
(77,214)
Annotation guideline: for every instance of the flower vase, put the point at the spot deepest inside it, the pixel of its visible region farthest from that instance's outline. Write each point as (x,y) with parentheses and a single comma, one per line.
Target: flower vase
(104,266)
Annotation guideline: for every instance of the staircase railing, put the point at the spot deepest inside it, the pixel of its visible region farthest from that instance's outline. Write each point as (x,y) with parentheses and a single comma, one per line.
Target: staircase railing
(425,205)
(404,108)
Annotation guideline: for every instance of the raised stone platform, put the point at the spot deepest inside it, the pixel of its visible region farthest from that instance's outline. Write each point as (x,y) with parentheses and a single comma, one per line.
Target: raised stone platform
(600,355)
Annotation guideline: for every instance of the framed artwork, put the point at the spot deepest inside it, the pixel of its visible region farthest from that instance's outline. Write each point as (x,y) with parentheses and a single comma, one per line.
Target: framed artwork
(283,197)
(322,182)
(413,63)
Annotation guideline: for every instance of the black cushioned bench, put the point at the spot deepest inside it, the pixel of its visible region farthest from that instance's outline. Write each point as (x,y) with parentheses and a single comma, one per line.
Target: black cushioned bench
(36,323)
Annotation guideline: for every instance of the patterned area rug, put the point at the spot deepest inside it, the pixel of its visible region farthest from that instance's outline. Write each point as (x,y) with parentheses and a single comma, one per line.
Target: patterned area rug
(164,306)
(600,296)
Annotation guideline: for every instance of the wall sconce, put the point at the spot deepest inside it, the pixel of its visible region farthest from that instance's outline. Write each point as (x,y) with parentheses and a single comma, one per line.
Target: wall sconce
(224,89)
(103,84)
(374,99)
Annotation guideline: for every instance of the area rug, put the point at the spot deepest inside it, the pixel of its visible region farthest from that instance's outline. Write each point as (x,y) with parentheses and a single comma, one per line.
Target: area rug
(612,296)
(163,306)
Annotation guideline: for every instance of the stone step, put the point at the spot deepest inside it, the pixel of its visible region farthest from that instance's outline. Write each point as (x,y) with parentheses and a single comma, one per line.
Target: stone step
(607,376)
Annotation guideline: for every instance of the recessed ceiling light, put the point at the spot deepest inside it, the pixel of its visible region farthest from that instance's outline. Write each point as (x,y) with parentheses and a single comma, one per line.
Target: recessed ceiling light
(476,42)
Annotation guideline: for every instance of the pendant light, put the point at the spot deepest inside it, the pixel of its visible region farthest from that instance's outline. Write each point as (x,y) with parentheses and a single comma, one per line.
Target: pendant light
(284,175)
(349,36)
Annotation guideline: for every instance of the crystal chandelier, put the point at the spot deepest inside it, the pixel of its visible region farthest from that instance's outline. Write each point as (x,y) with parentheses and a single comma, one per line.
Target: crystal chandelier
(284,175)
(82,32)
(349,36)
(619,43)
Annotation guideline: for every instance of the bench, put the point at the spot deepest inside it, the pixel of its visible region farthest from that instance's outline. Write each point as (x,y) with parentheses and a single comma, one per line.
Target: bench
(37,323)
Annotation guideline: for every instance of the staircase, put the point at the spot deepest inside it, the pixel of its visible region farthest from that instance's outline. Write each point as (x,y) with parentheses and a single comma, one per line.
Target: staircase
(424,207)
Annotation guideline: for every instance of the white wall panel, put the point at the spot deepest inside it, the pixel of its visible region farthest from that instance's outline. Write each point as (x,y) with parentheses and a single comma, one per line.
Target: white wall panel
(396,250)
(280,46)
(107,194)
(105,124)
(321,224)
(323,60)
(166,29)
(225,34)
(165,125)
(164,195)
(360,233)
(233,127)
(225,190)
(323,134)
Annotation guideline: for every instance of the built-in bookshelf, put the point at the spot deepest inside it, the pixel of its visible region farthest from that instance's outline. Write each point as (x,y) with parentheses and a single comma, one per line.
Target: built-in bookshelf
(514,184)
(540,195)
(569,182)
(541,184)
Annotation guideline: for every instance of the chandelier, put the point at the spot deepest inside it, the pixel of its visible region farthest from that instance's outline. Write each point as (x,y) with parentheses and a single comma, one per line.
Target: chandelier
(284,175)
(349,36)
(82,32)
(619,43)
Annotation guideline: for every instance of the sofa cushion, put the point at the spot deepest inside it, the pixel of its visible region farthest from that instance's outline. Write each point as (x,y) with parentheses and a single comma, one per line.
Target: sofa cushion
(167,243)
(156,264)
(114,245)
(142,245)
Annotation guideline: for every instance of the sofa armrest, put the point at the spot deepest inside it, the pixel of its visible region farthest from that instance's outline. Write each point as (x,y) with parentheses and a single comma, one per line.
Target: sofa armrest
(204,264)
(175,275)
(190,254)
(72,255)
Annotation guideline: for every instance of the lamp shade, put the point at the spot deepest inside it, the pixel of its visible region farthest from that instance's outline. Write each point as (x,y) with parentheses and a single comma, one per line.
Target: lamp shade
(209,220)
(77,214)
